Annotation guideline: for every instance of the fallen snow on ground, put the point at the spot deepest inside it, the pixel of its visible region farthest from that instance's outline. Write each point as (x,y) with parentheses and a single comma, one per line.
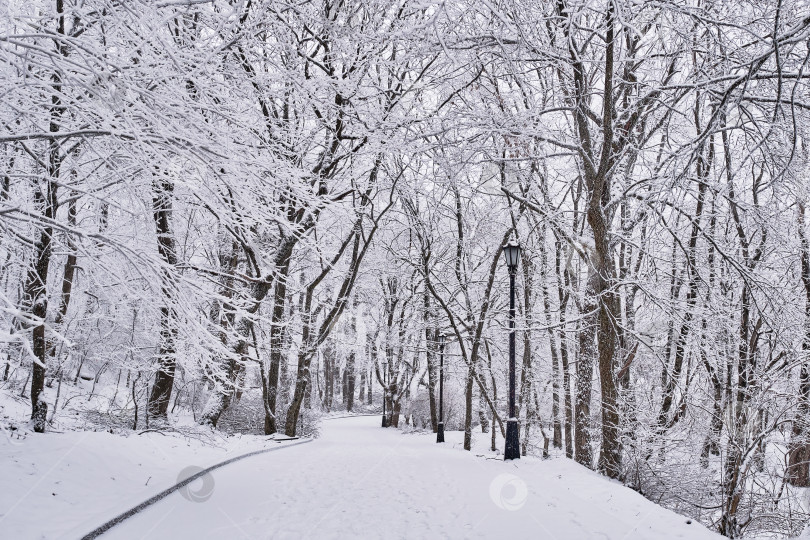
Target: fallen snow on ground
(56,485)
(356,481)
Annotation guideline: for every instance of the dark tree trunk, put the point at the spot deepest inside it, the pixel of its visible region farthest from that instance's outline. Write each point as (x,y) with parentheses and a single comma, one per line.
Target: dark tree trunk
(610,455)
(276,344)
(350,382)
(672,378)
(526,383)
(328,375)
(163,193)
(468,406)
(798,469)
(35,289)
(431,337)
(69,272)
(344,386)
(372,357)
(35,294)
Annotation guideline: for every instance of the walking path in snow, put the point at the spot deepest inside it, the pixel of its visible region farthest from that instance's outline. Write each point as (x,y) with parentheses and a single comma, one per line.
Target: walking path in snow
(361,481)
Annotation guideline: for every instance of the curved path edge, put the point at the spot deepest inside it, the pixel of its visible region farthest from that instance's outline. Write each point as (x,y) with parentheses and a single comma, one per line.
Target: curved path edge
(98,531)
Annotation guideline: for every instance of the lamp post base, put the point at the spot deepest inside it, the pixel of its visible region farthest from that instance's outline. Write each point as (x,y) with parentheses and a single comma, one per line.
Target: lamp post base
(512,449)
(440,433)
(384,421)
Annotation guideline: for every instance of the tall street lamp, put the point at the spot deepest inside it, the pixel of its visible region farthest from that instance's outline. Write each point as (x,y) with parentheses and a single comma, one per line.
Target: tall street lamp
(511,252)
(385,395)
(440,430)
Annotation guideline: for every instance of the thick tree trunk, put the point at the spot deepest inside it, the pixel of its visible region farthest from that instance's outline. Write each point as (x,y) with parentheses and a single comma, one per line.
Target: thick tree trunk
(584,368)
(468,406)
(220,399)
(302,380)
(608,302)
(163,193)
(35,296)
(35,289)
(224,316)
(276,344)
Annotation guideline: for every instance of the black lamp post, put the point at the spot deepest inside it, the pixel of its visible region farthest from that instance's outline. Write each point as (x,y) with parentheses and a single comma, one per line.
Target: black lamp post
(440,430)
(385,395)
(511,252)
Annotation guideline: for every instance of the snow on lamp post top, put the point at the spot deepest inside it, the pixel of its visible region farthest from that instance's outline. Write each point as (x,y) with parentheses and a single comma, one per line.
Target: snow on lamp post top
(511,252)
(442,338)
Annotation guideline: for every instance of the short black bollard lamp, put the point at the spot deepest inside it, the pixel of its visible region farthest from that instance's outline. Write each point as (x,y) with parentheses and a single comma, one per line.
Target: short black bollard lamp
(511,252)
(440,429)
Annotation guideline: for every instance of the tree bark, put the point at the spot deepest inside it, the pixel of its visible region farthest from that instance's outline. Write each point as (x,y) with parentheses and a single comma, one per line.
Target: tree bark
(35,289)
(584,369)
(431,337)
(276,343)
(798,469)
(162,198)
(563,282)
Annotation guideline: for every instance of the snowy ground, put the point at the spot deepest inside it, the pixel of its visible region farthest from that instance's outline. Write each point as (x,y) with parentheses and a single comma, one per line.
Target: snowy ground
(62,485)
(356,481)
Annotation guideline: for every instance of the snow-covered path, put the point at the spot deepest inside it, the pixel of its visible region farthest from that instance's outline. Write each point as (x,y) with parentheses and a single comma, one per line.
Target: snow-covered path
(359,480)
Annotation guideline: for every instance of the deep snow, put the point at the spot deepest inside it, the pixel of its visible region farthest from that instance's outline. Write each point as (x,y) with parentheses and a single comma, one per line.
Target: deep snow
(356,480)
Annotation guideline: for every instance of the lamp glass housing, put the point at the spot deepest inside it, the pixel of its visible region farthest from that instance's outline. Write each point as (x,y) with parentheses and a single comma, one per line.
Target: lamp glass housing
(511,252)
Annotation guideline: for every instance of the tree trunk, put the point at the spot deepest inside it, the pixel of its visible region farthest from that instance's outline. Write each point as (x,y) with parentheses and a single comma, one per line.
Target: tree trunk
(328,375)
(68,274)
(163,193)
(673,377)
(584,367)
(35,289)
(526,382)
(468,406)
(798,469)
(552,337)
(563,282)
(350,381)
(431,337)
(276,344)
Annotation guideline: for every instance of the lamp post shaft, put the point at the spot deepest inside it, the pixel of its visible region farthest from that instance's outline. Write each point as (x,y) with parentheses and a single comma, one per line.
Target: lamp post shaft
(385,396)
(512,343)
(440,427)
(512,449)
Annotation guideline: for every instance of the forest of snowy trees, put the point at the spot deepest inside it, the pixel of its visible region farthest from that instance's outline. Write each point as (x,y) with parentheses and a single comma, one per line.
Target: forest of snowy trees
(253,212)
